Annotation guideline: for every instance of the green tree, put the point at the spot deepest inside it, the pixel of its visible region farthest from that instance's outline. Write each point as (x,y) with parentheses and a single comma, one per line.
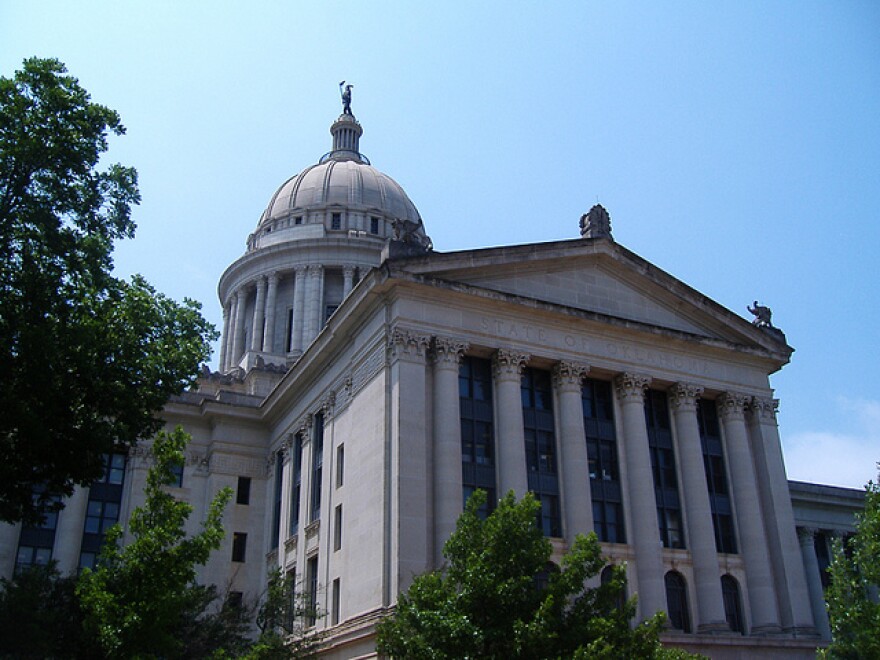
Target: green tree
(283,621)
(141,594)
(500,597)
(87,359)
(853,610)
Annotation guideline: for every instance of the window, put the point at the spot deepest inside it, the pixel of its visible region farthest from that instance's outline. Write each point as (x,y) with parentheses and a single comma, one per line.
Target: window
(311,613)
(35,542)
(298,220)
(540,440)
(239,546)
(276,500)
(336,221)
(32,556)
(663,465)
(88,560)
(340,465)
(337,528)
(114,469)
(477,429)
(235,600)
(288,335)
(243,495)
(601,439)
(676,602)
(177,471)
(732,604)
(716,481)
(103,509)
(605,577)
(374,225)
(334,617)
(296,489)
(100,516)
(317,467)
(329,310)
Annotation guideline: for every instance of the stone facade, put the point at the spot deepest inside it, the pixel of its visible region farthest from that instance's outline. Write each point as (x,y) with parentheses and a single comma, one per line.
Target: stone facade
(339,407)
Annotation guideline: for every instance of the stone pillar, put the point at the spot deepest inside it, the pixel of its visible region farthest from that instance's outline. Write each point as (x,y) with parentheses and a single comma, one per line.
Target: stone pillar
(701,531)
(313,303)
(284,512)
(238,341)
(807,539)
(576,501)
(229,338)
(299,316)
(750,518)
(68,535)
(271,301)
(347,279)
(651,587)
(509,435)
(411,485)
(448,498)
(795,614)
(225,337)
(9,534)
(257,327)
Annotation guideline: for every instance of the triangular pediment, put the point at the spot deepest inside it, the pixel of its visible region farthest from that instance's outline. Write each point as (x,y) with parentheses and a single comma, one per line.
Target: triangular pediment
(599,277)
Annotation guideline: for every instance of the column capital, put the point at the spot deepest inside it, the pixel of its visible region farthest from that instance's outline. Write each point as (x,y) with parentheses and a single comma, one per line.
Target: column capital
(683,396)
(327,405)
(568,376)
(273,277)
(731,405)
(806,535)
(764,408)
(448,352)
(403,342)
(301,269)
(632,386)
(348,270)
(303,426)
(315,270)
(508,364)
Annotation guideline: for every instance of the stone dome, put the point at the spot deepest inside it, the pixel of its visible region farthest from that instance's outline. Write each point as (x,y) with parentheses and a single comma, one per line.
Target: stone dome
(349,184)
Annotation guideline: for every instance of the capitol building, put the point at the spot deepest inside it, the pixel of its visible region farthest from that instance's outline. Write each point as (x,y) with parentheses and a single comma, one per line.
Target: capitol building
(368,383)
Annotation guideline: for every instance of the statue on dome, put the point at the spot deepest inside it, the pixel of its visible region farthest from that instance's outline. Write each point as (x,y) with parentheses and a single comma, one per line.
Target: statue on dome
(345,92)
(762,315)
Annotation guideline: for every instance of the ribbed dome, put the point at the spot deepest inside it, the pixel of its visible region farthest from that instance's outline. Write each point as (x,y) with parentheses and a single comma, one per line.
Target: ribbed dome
(348,184)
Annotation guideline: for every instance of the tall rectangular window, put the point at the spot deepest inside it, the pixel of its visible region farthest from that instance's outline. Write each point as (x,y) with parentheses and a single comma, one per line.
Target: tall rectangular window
(102,511)
(337,528)
(317,467)
(605,487)
(540,438)
(716,479)
(288,335)
(663,465)
(374,225)
(296,461)
(239,546)
(35,543)
(477,429)
(177,471)
(334,618)
(276,500)
(340,465)
(336,221)
(243,493)
(311,591)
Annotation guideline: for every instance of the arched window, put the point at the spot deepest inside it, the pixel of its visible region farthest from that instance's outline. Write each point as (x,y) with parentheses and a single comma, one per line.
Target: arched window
(604,578)
(732,605)
(676,601)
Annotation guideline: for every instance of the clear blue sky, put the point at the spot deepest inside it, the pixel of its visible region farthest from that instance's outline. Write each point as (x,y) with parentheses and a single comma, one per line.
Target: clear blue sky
(736,145)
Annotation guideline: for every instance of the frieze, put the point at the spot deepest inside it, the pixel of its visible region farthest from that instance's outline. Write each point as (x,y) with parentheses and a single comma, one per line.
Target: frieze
(225,464)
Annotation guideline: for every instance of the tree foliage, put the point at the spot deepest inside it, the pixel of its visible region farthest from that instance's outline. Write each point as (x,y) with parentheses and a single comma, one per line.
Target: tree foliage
(87,359)
(499,597)
(140,594)
(851,598)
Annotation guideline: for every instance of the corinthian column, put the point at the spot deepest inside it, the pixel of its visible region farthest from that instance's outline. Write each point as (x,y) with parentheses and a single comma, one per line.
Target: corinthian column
(225,337)
(238,341)
(749,517)
(511,442)
(577,502)
(807,539)
(794,599)
(271,301)
(701,533)
(313,302)
(447,442)
(299,316)
(347,279)
(259,316)
(630,390)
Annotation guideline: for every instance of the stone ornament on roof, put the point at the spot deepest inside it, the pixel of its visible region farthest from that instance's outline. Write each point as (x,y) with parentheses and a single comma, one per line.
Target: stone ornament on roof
(596,223)
(345,92)
(762,315)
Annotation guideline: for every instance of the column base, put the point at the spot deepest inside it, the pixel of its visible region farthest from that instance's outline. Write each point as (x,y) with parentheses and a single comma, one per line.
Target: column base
(767,629)
(714,628)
